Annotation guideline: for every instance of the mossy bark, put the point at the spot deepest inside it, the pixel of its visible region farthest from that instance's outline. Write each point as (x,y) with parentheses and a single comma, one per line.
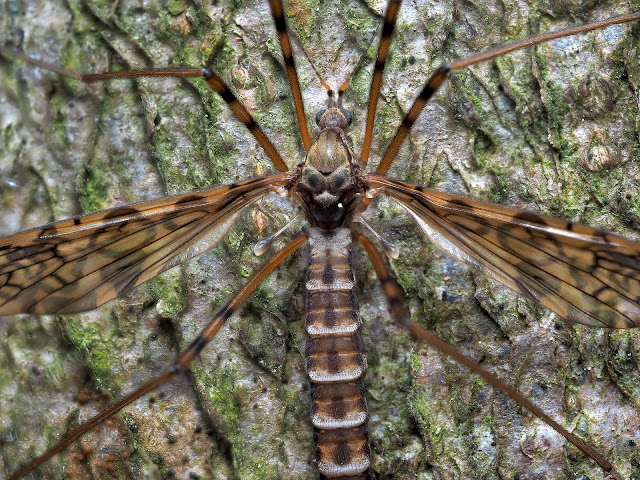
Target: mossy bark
(554,129)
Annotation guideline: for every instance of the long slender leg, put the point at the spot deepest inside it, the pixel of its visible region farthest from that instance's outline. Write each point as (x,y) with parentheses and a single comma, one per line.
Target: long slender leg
(395,295)
(181,364)
(277,11)
(437,79)
(214,81)
(388,26)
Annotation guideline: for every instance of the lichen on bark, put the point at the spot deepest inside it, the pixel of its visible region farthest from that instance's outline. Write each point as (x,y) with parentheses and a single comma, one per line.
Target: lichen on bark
(553,129)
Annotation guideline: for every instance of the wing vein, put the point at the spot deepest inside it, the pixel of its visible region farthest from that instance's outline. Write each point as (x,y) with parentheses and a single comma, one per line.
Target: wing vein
(78,264)
(581,273)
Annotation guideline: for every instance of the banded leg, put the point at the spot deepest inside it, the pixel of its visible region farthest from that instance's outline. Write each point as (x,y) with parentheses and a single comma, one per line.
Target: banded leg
(181,364)
(214,81)
(437,79)
(388,26)
(277,11)
(393,292)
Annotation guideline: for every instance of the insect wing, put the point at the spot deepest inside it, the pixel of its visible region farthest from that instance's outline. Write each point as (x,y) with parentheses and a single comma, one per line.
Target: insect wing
(78,264)
(583,274)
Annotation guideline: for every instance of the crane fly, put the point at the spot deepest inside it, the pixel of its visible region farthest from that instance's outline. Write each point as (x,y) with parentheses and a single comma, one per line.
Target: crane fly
(255,385)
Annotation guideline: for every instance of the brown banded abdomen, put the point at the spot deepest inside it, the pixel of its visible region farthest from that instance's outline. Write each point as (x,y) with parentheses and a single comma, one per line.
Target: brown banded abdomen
(335,360)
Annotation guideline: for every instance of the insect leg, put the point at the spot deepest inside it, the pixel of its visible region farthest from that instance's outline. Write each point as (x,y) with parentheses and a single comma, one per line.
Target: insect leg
(214,81)
(389,24)
(436,80)
(401,316)
(181,364)
(277,11)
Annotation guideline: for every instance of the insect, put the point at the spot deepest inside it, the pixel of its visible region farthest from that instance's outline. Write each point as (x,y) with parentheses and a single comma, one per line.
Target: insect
(260,365)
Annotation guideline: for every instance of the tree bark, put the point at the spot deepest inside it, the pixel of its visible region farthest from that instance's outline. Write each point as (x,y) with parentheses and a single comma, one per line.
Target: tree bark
(552,129)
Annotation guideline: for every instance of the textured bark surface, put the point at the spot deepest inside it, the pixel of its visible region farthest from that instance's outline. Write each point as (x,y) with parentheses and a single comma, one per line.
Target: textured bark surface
(554,129)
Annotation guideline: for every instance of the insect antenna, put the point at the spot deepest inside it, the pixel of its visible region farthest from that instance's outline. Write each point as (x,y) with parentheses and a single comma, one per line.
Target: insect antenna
(327,87)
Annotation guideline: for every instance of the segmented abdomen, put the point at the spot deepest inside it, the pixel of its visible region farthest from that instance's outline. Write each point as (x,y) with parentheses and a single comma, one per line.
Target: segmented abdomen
(335,359)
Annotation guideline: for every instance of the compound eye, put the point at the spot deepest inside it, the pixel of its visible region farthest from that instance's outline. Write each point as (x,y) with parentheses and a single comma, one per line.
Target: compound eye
(347,115)
(319,115)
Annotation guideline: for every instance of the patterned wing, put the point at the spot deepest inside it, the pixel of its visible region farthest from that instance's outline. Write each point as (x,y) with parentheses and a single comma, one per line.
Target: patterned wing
(78,264)
(583,274)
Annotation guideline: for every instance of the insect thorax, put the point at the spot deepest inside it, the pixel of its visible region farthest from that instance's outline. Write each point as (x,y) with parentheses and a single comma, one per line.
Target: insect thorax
(328,182)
